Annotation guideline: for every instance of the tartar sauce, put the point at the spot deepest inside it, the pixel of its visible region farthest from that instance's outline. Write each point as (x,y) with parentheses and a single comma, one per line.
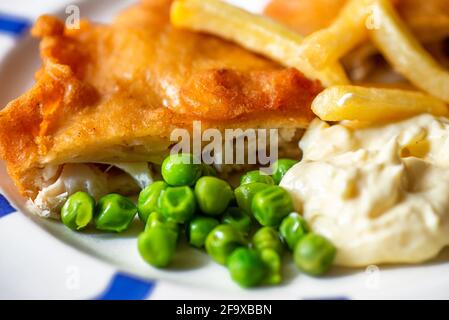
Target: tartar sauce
(381,194)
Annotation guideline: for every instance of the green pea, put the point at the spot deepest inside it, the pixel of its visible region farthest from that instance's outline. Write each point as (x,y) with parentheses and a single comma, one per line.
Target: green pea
(256,176)
(280,168)
(114,213)
(271,205)
(157,246)
(199,228)
(273,263)
(178,204)
(267,238)
(156,219)
(149,198)
(314,254)
(209,170)
(180,170)
(245,193)
(213,195)
(246,267)
(78,210)
(238,219)
(221,241)
(293,228)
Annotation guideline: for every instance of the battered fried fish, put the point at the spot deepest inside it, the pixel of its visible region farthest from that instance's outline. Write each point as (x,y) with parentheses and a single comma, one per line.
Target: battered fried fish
(114,93)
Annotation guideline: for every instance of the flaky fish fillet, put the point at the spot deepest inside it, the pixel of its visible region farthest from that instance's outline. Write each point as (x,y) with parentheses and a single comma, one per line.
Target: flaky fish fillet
(114,93)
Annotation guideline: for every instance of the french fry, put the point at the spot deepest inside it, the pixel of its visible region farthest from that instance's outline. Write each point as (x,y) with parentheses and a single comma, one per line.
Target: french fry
(405,53)
(349,29)
(255,33)
(374,105)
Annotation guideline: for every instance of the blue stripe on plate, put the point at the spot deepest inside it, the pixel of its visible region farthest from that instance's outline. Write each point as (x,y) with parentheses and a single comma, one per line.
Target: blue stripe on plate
(126,287)
(13,25)
(5,207)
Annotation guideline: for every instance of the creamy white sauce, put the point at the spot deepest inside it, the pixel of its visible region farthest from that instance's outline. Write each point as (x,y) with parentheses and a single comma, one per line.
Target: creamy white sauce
(381,194)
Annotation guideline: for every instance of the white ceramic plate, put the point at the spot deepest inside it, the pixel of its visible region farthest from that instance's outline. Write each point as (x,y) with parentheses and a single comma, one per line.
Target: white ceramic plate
(193,274)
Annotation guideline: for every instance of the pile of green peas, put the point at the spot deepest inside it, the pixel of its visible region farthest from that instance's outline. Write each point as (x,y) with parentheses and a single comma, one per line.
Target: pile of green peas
(247,229)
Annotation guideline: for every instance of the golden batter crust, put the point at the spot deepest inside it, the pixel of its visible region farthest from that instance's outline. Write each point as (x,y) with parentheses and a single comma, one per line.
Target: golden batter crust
(115,92)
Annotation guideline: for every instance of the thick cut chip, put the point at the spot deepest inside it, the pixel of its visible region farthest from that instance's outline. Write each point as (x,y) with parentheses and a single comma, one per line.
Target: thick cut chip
(405,53)
(256,33)
(349,30)
(428,19)
(374,104)
(333,31)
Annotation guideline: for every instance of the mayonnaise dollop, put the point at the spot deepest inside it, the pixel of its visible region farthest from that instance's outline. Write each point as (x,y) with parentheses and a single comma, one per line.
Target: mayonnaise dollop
(380,194)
